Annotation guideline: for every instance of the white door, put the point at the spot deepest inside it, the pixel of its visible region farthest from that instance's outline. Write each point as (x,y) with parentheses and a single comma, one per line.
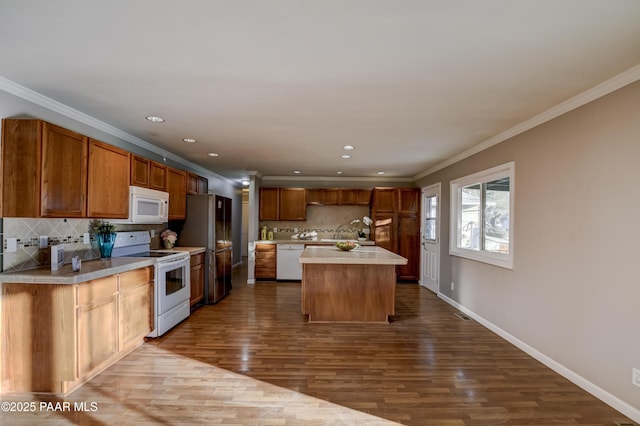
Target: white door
(430,252)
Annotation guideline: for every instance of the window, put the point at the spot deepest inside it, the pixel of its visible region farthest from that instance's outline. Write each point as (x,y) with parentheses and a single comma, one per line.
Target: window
(482,216)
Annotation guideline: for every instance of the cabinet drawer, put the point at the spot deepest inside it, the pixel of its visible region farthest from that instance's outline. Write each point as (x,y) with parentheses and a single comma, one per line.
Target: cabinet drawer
(197,259)
(265,262)
(136,277)
(266,248)
(95,290)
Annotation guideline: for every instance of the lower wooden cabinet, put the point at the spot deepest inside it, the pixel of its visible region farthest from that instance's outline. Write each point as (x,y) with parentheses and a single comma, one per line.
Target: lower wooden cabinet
(197,278)
(265,261)
(56,337)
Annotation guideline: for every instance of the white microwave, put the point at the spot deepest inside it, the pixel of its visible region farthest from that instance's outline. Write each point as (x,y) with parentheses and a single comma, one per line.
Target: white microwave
(146,206)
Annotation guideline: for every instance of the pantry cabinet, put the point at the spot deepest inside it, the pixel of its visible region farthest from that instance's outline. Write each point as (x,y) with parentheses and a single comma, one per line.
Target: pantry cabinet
(177,189)
(396,216)
(108,189)
(44,170)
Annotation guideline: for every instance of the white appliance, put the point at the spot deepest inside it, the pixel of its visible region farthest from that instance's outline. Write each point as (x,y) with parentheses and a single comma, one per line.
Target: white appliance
(146,206)
(288,265)
(172,289)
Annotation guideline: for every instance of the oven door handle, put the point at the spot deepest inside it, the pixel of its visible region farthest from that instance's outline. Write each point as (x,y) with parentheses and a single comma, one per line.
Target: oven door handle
(170,261)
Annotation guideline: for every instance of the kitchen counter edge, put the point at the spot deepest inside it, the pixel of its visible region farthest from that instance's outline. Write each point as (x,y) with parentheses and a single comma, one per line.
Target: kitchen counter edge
(91,270)
(314,242)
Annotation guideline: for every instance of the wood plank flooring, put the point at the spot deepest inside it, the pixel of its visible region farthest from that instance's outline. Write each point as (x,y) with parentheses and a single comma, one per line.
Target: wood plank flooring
(252,359)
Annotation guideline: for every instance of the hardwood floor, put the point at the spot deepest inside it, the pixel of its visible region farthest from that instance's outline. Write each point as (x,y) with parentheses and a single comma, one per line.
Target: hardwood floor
(252,359)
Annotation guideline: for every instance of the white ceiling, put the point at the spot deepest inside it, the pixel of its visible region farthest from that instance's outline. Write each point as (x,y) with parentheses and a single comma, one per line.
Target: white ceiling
(277,85)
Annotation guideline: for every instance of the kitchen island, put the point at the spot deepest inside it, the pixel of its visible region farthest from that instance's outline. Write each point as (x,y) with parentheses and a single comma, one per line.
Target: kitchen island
(349,286)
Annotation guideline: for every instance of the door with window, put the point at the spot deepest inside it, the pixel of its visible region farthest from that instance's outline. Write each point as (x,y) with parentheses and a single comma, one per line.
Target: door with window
(430,251)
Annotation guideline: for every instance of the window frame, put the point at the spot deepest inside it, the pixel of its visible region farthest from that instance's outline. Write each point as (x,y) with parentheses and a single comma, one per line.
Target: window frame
(504,260)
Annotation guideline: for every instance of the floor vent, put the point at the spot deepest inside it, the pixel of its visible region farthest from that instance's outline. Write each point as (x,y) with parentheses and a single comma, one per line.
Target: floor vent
(466,318)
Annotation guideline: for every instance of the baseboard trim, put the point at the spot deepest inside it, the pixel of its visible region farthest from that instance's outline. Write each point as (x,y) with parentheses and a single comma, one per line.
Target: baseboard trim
(626,409)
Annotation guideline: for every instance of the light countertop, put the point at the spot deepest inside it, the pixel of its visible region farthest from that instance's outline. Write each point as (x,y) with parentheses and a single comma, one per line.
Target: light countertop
(313,242)
(366,255)
(91,270)
(191,250)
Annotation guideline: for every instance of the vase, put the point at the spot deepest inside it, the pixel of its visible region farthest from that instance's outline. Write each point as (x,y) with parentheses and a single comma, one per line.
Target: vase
(105,244)
(168,244)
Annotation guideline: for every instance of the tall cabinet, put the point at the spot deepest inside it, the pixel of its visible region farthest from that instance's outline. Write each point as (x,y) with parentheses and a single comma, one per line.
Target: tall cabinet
(396,216)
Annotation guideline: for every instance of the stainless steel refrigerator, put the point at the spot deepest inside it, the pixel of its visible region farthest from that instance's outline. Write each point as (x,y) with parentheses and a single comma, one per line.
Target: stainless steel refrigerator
(208,224)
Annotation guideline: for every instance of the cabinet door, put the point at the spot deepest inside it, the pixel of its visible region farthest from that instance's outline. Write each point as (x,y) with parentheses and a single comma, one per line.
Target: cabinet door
(384,231)
(97,314)
(109,168)
(408,200)
(322,196)
(384,200)
(21,168)
(135,307)
(266,261)
(409,246)
(192,184)
(63,173)
(293,204)
(177,188)
(197,278)
(357,197)
(158,176)
(269,204)
(140,168)
(203,185)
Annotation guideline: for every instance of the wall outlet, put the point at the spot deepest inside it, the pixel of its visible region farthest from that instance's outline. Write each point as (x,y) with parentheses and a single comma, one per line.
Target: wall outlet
(453,286)
(12,245)
(85,238)
(44,241)
(152,233)
(635,376)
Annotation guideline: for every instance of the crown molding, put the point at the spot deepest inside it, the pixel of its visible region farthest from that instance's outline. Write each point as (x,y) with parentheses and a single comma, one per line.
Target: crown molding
(619,81)
(337,179)
(39,99)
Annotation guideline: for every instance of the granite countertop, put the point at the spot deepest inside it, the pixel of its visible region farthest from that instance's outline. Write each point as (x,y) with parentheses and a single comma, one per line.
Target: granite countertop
(91,270)
(314,242)
(360,256)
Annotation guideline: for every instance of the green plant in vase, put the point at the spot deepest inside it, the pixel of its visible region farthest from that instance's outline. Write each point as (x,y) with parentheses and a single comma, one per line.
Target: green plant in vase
(105,236)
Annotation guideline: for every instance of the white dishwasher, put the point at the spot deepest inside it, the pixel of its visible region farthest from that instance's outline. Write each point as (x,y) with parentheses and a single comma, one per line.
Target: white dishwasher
(288,265)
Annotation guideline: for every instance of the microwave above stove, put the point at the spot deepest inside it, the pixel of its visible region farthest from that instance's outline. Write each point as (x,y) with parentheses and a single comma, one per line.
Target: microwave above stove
(146,206)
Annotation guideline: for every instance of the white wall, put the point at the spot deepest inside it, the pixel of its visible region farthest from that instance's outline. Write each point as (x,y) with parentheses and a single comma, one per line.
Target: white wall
(574,292)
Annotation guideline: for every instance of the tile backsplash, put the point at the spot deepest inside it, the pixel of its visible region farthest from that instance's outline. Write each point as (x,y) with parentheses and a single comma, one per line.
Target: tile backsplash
(325,220)
(69,232)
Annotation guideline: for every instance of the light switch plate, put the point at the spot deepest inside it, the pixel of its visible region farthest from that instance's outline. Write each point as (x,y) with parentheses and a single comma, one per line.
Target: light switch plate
(44,241)
(85,238)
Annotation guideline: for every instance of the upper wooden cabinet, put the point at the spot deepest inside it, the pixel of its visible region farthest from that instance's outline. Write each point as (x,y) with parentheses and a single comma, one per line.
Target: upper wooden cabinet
(323,196)
(283,204)
(269,204)
(148,173)
(359,197)
(197,185)
(157,176)
(140,171)
(384,200)
(108,192)
(44,171)
(293,204)
(177,189)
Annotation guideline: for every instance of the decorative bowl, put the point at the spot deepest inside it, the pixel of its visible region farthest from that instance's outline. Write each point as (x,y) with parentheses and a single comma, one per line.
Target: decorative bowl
(346,245)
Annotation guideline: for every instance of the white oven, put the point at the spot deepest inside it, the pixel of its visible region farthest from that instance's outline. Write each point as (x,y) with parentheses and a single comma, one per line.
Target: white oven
(173,292)
(172,288)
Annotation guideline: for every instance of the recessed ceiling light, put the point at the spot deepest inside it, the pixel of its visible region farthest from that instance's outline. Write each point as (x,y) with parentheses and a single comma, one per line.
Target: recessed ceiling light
(297,172)
(348,147)
(155,119)
(189,140)
(338,173)
(380,173)
(212,154)
(345,156)
(245,182)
